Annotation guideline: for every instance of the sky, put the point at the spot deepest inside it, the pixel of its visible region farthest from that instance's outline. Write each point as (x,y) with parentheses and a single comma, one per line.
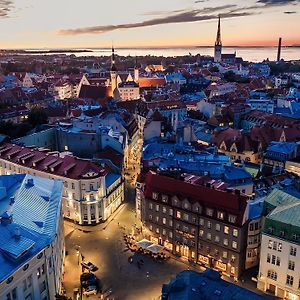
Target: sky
(146,23)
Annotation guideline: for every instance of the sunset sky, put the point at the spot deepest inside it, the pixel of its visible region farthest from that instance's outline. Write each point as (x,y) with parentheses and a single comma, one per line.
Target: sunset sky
(144,23)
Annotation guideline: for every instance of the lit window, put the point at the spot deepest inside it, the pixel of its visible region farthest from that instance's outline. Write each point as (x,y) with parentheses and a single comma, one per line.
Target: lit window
(220,215)
(150,206)
(235,232)
(225,242)
(224,254)
(164,210)
(164,220)
(234,245)
(226,229)
(154,196)
(201,232)
(208,236)
(178,214)
(157,207)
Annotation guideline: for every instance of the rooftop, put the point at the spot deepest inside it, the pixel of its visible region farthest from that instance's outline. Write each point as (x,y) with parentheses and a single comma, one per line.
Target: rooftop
(190,285)
(30,210)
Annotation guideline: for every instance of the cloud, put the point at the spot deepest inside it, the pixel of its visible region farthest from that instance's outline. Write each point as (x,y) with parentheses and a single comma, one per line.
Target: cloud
(187,16)
(5,8)
(278,2)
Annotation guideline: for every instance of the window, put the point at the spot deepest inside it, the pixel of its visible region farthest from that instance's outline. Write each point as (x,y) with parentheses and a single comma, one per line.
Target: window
(14,294)
(157,207)
(218,227)
(10,279)
(225,254)
(170,234)
(208,224)
(201,232)
(157,219)
(291,265)
(235,232)
(73,185)
(186,205)
(185,217)
(43,286)
(164,231)
(150,217)
(232,219)
(209,212)
(272,274)
(38,273)
(234,245)
(178,214)
(29,280)
(201,221)
(150,206)
(171,212)
(268,258)
(217,239)
(289,280)
(226,229)
(208,236)
(154,196)
(24,285)
(150,227)
(164,220)
(220,215)
(164,198)
(164,210)
(293,251)
(170,223)
(225,242)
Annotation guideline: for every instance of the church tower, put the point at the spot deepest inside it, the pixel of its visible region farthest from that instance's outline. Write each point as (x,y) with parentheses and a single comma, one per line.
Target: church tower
(218,44)
(136,71)
(113,72)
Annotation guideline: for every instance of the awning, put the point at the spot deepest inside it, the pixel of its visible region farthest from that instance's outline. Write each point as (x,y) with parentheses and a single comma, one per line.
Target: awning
(144,244)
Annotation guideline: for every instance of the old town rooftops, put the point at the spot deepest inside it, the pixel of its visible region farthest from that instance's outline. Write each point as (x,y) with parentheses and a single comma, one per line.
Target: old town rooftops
(226,201)
(67,166)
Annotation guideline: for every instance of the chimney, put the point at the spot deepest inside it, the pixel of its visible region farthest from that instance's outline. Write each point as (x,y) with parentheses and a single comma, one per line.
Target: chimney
(17,233)
(279,50)
(29,183)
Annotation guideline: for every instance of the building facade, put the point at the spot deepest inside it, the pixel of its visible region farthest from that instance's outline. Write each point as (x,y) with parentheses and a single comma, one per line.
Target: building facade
(31,238)
(201,224)
(88,196)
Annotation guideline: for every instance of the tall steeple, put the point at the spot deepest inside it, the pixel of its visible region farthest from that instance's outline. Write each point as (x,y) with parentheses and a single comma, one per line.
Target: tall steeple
(113,72)
(218,44)
(136,71)
(113,60)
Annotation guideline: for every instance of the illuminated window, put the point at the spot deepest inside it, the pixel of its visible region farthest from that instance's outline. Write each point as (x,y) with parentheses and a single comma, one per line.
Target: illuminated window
(235,232)
(226,229)
(178,214)
(220,215)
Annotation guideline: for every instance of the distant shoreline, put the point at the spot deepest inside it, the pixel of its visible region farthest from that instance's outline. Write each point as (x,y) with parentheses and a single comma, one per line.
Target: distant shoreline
(52,51)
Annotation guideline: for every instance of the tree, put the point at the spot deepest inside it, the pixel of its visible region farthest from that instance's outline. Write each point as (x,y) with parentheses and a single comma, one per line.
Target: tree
(37,116)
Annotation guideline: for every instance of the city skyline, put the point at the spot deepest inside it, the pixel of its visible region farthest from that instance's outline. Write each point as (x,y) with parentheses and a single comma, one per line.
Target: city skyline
(41,24)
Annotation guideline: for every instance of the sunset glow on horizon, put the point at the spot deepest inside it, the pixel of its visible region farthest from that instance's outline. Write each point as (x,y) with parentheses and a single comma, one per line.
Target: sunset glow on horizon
(168,23)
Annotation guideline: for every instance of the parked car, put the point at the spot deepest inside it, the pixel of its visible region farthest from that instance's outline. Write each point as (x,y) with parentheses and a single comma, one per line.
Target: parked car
(88,279)
(88,265)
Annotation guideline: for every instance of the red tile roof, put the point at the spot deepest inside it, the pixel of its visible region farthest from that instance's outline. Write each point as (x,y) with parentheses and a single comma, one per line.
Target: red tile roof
(68,166)
(228,202)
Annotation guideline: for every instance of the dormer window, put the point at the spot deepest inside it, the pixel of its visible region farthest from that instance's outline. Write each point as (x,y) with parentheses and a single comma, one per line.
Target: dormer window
(220,215)
(186,205)
(232,218)
(164,198)
(209,212)
(154,196)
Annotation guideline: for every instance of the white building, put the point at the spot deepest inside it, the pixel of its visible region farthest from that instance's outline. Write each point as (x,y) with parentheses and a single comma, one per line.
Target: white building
(280,247)
(31,238)
(91,192)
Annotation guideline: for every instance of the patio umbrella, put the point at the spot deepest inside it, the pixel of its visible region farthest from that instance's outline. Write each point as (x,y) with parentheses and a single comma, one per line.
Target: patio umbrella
(155,248)
(144,244)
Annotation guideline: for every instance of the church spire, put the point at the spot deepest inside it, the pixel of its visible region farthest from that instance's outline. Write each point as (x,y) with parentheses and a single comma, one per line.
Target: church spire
(113,59)
(218,39)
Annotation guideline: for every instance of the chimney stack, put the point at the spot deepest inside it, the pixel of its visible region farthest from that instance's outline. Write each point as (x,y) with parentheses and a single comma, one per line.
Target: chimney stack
(279,50)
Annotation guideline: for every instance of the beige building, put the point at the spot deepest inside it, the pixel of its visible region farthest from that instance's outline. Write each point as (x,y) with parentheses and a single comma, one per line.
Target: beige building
(91,192)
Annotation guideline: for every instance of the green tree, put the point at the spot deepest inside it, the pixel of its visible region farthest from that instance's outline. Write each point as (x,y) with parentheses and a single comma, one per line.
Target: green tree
(37,116)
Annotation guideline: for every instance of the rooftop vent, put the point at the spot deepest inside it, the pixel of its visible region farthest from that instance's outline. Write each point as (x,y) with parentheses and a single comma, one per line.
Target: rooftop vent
(17,233)
(6,218)
(29,183)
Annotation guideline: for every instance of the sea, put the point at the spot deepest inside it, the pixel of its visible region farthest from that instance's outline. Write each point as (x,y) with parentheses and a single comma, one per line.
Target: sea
(254,54)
